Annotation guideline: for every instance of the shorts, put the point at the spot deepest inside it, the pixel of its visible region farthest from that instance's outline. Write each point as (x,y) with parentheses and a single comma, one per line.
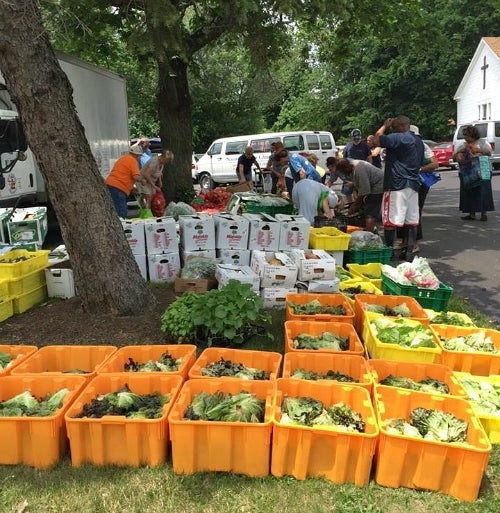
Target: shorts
(373,206)
(400,208)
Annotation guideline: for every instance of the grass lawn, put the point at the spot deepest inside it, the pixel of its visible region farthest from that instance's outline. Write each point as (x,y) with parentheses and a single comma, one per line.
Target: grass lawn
(91,489)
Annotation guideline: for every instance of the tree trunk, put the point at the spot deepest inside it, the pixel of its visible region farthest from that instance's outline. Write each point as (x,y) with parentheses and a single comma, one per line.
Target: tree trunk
(105,272)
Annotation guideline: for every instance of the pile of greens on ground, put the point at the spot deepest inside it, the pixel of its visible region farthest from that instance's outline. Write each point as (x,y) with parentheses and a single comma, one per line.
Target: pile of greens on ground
(450,319)
(315,307)
(5,360)
(436,425)
(326,340)
(300,373)
(475,342)
(125,403)
(26,405)
(225,407)
(401,310)
(484,396)
(429,385)
(165,363)
(227,368)
(402,332)
(307,411)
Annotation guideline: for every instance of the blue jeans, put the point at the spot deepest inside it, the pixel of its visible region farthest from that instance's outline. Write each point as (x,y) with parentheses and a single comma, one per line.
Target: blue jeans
(120,201)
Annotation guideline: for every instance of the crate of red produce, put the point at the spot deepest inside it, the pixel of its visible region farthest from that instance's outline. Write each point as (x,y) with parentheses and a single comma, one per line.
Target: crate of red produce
(213,201)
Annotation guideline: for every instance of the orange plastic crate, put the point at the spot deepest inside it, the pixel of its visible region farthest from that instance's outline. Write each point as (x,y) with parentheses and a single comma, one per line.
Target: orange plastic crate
(18,355)
(417,311)
(303,451)
(35,441)
(116,440)
(477,363)
(56,360)
(141,354)
(352,365)
(238,447)
(386,351)
(294,328)
(491,423)
(262,360)
(380,369)
(325,300)
(454,469)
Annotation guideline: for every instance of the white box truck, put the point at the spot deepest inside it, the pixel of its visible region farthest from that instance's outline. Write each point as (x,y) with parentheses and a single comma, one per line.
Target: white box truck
(100,99)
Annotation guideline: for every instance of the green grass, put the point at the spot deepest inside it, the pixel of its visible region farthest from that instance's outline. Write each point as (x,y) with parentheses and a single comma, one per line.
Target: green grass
(91,489)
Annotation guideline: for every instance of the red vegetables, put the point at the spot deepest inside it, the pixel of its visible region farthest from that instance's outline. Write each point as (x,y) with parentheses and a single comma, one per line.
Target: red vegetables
(213,201)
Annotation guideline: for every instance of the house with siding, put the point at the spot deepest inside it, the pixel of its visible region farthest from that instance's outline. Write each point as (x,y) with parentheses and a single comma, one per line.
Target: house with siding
(478,95)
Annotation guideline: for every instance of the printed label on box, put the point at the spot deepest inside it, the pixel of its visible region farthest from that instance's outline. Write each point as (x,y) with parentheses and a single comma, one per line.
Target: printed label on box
(164,267)
(134,233)
(161,235)
(231,231)
(197,232)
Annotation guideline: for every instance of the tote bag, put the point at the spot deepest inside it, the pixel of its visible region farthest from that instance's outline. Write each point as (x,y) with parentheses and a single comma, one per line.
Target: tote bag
(470,172)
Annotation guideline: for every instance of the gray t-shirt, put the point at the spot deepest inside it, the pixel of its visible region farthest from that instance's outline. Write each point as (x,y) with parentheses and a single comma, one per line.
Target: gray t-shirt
(367,178)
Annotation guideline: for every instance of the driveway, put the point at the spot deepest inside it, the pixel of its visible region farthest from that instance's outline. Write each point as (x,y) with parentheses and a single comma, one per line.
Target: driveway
(463,254)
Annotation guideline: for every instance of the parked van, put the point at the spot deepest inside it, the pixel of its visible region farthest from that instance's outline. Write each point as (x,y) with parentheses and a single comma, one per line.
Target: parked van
(218,164)
(489,130)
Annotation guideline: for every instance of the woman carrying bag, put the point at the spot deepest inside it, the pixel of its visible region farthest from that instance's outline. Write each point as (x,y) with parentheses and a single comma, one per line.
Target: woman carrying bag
(476,194)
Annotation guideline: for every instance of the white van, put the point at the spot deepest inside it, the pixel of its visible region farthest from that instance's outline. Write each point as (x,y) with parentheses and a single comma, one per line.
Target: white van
(218,164)
(489,130)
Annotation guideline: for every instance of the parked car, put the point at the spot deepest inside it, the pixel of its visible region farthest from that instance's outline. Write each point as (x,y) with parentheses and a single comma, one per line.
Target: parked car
(444,154)
(430,143)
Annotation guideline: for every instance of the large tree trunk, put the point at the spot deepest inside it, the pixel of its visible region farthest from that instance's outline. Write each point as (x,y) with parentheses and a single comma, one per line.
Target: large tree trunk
(106,274)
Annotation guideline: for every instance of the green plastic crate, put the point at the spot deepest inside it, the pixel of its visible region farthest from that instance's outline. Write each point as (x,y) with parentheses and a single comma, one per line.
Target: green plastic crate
(366,256)
(254,207)
(435,299)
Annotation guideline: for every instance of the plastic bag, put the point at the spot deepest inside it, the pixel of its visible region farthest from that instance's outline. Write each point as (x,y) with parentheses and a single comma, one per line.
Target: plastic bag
(361,239)
(179,209)
(158,204)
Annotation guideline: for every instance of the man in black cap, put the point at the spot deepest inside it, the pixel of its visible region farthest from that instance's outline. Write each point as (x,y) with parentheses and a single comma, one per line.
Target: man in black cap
(357,149)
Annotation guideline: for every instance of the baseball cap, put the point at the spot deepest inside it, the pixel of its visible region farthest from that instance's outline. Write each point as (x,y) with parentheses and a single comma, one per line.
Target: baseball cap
(135,149)
(356,133)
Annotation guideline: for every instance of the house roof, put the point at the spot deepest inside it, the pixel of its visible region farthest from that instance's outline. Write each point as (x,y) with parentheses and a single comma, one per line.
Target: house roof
(494,44)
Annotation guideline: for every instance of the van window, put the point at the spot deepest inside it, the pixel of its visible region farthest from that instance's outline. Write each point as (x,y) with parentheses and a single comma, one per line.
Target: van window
(497,129)
(312,142)
(215,149)
(483,129)
(326,142)
(293,142)
(263,145)
(235,147)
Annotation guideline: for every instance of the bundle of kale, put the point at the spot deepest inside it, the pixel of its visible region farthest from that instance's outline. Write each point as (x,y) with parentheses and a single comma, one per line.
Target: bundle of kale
(429,385)
(435,425)
(226,407)
(165,363)
(307,411)
(227,368)
(314,307)
(125,403)
(327,340)
(300,373)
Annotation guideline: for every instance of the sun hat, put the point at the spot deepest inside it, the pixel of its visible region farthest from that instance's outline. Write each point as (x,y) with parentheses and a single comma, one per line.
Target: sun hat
(414,129)
(135,149)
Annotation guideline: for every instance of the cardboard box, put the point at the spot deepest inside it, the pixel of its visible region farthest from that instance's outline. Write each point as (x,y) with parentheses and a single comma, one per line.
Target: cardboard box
(294,232)
(322,267)
(271,275)
(59,254)
(241,187)
(197,232)
(206,253)
(275,297)
(60,282)
(339,257)
(233,256)
(164,267)
(134,233)
(28,225)
(323,286)
(183,285)
(241,273)
(161,235)
(142,263)
(231,231)
(264,232)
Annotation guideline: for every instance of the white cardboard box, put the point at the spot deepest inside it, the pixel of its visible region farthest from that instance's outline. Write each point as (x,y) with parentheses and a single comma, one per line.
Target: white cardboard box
(322,267)
(161,235)
(28,225)
(142,263)
(231,231)
(60,282)
(284,275)
(164,267)
(323,286)
(197,232)
(242,273)
(264,232)
(134,233)
(275,297)
(206,253)
(339,257)
(294,232)
(233,256)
